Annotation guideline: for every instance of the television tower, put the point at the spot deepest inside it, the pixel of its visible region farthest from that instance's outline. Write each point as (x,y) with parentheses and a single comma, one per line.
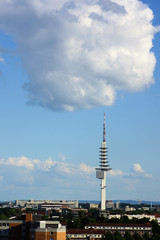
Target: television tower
(103,168)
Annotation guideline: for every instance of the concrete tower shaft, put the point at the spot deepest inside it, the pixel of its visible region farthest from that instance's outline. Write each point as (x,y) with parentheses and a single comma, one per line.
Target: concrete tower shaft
(103,167)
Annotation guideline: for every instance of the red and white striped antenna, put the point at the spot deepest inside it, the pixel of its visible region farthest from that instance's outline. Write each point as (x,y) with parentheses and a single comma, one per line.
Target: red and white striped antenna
(104,130)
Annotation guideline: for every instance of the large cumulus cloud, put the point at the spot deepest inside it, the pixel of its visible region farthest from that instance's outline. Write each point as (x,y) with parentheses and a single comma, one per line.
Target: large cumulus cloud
(77,54)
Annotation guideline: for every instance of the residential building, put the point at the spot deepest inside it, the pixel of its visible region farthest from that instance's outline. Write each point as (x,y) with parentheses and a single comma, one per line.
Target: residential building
(31,230)
(122,227)
(83,234)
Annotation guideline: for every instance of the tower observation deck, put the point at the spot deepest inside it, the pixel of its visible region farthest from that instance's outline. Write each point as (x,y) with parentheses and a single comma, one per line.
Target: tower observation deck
(103,167)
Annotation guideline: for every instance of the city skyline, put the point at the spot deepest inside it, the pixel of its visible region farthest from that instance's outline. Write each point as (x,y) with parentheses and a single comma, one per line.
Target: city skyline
(58,75)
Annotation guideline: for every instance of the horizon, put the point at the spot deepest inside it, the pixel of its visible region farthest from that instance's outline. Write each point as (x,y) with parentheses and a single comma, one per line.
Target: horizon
(90,201)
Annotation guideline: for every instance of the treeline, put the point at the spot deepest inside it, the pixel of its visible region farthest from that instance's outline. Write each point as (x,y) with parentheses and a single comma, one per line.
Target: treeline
(83,219)
(6,213)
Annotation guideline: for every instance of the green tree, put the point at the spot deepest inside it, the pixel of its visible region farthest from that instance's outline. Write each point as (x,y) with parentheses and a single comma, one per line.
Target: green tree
(143,220)
(136,236)
(128,236)
(45,218)
(3,217)
(125,219)
(155,236)
(155,227)
(109,236)
(146,236)
(118,236)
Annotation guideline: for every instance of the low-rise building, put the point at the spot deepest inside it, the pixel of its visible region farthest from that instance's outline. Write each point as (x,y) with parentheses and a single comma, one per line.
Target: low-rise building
(129,209)
(138,216)
(122,228)
(94,205)
(110,216)
(83,234)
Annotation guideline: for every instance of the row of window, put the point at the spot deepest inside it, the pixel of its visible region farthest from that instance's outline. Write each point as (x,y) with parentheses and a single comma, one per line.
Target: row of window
(93,236)
(4,224)
(74,235)
(140,228)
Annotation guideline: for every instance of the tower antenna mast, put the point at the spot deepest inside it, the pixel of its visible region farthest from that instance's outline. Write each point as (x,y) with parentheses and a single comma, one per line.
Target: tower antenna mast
(104,130)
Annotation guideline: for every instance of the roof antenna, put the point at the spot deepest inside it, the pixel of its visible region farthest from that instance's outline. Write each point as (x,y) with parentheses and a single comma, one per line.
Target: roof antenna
(104,130)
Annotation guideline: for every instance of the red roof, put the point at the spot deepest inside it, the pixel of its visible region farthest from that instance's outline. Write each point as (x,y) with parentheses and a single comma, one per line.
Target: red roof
(84,231)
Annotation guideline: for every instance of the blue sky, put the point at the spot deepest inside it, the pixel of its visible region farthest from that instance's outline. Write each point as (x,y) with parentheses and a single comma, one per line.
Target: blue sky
(62,66)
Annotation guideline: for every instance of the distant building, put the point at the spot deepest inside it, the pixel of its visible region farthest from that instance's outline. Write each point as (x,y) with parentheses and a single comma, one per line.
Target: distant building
(129,209)
(46,204)
(145,208)
(110,204)
(93,205)
(117,205)
(138,216)
(114,216)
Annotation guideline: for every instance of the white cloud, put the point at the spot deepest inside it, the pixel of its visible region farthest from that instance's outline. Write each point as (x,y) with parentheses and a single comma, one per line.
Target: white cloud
(116,173)
(64,177)
(138,172)
(65,168)
(59,168)
(1,59)
(73,169)
(79,53)
(28,163)
(137,168)
(86,169)
(46,165)
(19,162)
